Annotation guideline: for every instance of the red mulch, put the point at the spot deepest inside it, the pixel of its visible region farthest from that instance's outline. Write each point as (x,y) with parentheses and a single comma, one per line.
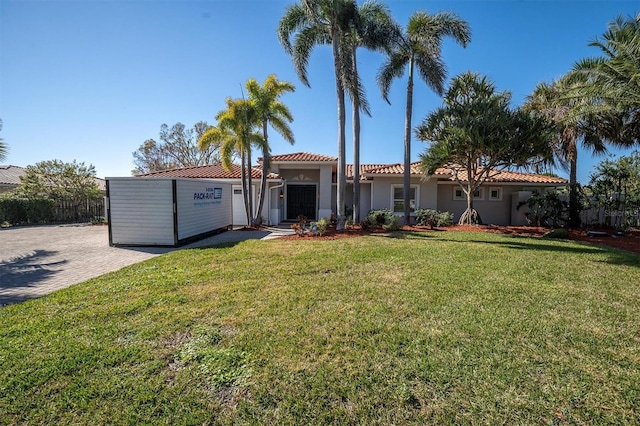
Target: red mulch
(629,242)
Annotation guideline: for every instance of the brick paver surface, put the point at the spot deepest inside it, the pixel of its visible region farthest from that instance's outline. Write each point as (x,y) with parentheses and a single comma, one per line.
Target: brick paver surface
(35,261)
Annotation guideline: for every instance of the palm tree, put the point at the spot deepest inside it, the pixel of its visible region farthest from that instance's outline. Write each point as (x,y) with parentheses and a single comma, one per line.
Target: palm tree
(373,29)
(318,22)
(273,112)
(420,47)
(572,125)
(236,133)
(611,80)
(4,149)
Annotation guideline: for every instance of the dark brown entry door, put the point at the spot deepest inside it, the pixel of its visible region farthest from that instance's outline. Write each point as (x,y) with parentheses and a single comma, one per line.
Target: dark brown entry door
(301,200)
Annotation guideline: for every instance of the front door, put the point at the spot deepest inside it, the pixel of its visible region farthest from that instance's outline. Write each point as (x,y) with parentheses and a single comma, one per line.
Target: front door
(301,200)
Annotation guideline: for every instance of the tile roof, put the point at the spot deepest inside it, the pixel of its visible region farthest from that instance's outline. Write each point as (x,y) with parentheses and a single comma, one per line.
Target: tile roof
(509,176)
(10,175)
(499,176)
(394,169)
(302,156)
(210,171)
(367,171)
(364,168)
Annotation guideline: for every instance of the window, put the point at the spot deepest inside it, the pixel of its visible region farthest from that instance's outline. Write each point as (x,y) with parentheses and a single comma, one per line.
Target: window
(397,192)
(459,195)
(495,193)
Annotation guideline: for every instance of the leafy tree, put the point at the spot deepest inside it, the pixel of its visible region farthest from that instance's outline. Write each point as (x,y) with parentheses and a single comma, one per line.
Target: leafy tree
(236,134)
(178,147)
(420,47)
(320,22)
(271,112)
(616,185)
(58,181)
(475,133)
(4,149)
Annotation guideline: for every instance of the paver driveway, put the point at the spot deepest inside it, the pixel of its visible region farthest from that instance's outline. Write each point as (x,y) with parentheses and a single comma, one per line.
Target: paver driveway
(35,261)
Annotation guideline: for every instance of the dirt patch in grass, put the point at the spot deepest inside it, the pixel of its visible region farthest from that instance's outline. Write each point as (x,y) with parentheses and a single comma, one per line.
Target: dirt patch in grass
(629,242)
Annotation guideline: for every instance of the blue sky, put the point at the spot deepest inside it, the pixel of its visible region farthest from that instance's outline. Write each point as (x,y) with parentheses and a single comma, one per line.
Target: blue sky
(92,80)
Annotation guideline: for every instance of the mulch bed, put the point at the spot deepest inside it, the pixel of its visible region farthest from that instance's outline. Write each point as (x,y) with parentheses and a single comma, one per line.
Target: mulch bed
(629,242)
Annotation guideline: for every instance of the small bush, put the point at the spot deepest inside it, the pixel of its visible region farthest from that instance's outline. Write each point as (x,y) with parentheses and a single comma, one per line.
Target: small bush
(380,217)
(365,224)
(430,217)
(556,233)
(320,227)
(393,224)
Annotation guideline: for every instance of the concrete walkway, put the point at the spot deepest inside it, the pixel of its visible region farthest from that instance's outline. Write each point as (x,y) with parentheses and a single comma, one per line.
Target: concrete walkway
(35,261)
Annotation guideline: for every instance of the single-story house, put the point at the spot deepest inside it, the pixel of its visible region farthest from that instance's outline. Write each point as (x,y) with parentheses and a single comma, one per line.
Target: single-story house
(305,183)
(10,178)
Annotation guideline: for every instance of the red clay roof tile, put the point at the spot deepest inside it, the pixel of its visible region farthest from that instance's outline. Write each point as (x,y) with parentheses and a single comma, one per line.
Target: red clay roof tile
(366,171)
(302,156)
(210,171)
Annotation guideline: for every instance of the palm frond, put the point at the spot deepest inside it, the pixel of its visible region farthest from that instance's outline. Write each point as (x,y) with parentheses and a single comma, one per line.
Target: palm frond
(394,67)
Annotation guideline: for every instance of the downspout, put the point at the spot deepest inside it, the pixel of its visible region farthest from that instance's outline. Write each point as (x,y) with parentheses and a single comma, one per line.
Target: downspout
(269,206)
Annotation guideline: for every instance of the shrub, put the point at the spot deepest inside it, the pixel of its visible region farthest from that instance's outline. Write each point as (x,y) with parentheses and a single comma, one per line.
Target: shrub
(365,224)
(320,227)
(547,209)
(556,233)
(16,210)
(430,217)
(393,224)
(380,217)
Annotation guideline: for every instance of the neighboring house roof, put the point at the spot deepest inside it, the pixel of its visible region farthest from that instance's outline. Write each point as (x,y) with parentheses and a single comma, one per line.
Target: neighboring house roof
(301,157)
(102,184)
(10,175)
(210,171)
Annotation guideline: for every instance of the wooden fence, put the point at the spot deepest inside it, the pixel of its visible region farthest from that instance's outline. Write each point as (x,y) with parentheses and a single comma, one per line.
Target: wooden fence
(65,211)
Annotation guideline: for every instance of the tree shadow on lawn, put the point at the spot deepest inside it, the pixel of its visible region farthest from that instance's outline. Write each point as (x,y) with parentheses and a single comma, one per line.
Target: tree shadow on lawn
(25,271)
(615,257)
(222,240)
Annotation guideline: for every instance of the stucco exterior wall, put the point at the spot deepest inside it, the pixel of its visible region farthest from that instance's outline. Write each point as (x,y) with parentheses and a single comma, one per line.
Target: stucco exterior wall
(498,212)
(382,195)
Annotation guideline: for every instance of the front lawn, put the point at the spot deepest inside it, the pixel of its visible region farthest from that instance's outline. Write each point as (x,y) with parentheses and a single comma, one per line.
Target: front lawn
(412,328)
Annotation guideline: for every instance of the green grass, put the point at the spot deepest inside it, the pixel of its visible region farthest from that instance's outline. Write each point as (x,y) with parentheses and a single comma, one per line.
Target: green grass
(416,328)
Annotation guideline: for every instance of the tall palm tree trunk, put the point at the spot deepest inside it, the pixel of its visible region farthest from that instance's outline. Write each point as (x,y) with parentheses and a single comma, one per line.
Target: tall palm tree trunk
(574,208)
(341,178)
(250,189)
(407,145)
(265,169)
(356,150)
(243,178)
